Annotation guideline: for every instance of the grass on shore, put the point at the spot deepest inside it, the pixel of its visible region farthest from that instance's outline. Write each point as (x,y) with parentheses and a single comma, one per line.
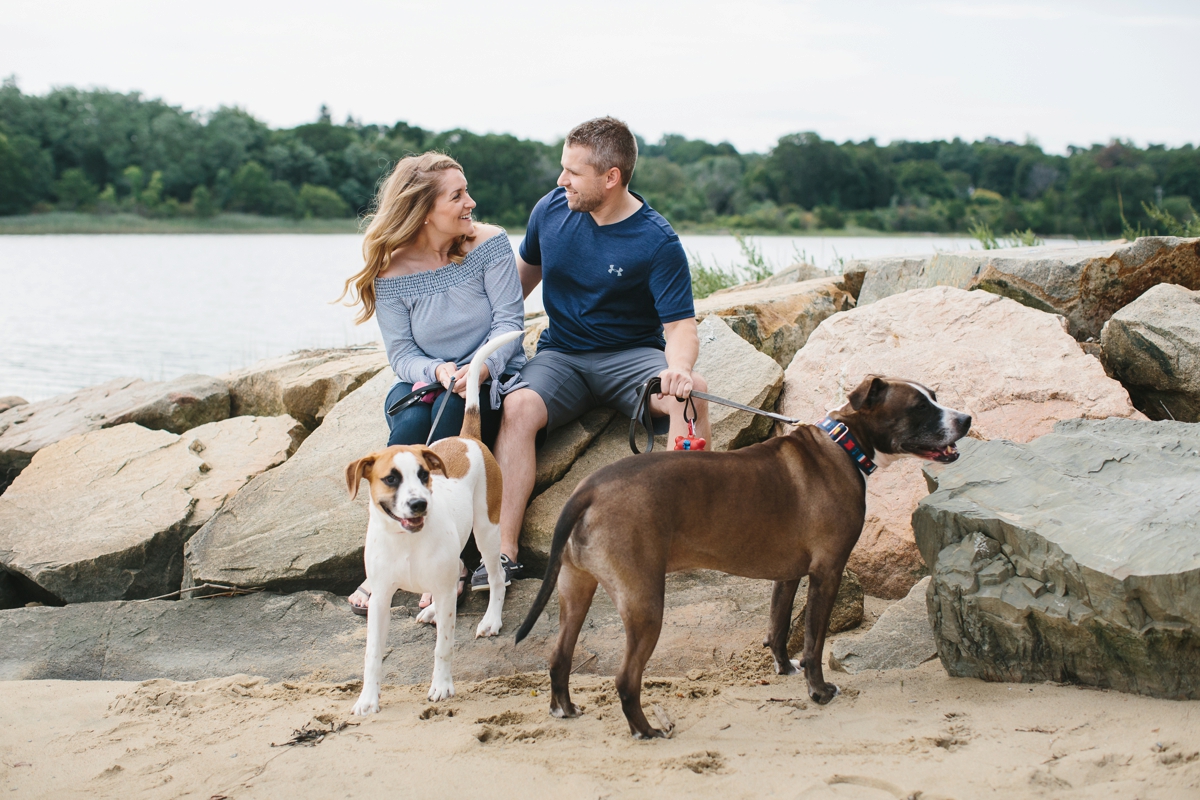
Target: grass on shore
(67,222)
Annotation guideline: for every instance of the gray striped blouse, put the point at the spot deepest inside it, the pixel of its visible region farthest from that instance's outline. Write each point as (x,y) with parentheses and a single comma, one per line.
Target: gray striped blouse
(443,315)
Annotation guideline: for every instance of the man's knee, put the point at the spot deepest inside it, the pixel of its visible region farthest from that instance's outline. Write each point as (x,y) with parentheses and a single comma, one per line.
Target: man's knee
(524,412)
(698,382)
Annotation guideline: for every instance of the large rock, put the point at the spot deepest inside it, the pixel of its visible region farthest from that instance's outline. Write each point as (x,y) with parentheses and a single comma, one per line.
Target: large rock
(174,406)
(565,444)
(295,527)
(11,401)
(104,515)
(733,369)
(304,385)
(1085,284)
(1152,346)
(777,319)
(899,639)
(708,617)
(1013,369)
(1075,557)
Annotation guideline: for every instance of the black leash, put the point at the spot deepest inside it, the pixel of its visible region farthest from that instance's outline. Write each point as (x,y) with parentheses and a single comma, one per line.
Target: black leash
(415,396)
(654,386)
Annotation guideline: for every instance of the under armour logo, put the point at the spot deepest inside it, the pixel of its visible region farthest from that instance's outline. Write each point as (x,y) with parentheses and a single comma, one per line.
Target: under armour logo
(614,268)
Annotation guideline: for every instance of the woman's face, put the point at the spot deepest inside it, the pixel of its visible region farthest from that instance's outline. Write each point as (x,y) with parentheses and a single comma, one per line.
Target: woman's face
(451,214)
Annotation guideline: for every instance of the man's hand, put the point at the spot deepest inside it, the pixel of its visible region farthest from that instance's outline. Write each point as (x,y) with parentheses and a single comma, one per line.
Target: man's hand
(460,379)
(676,382)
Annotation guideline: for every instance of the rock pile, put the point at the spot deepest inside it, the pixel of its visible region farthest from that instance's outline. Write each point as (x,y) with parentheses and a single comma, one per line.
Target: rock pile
(103,515)
(1075,557)
(1152,346)
(1086,285)
(1015,385)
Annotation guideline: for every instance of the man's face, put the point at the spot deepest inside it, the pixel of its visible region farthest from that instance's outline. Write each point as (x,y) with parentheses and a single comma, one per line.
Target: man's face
(583,182)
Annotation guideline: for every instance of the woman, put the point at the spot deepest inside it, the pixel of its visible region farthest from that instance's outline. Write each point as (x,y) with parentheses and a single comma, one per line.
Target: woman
(440,286)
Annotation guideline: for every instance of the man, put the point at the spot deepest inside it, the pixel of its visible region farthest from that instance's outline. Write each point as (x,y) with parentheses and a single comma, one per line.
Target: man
(618,294)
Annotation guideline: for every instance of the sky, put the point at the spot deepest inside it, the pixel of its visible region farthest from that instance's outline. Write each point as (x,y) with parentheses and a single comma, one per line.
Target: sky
(1058,72)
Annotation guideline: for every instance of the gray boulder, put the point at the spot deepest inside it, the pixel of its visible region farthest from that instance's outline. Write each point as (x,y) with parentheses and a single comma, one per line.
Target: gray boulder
(174,406)
(708,618)
(295,527)
(1152,346)
(565,444)
(1075,557)
(1086,284)
(733,369)
(11,401)
(304,385)
(899,639)
(777,319)
(104,515)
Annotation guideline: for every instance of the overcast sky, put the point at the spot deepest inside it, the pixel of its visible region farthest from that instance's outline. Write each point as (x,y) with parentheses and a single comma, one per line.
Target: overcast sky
(1057,71)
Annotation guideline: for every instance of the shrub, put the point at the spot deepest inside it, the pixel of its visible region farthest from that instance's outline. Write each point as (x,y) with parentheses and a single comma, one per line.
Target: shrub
(74,190)
(321,202)
(202,202)
(829,217)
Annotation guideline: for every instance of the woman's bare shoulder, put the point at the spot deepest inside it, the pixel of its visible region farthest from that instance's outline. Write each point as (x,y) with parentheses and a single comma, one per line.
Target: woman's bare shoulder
(484,233)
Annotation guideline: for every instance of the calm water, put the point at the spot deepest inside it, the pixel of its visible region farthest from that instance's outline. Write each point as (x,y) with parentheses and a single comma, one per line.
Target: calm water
(80,310)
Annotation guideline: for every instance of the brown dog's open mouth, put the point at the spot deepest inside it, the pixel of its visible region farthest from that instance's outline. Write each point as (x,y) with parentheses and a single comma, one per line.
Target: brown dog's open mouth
(946,455)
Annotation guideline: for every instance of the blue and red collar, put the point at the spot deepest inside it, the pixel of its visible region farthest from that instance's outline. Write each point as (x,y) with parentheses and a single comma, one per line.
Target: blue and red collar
(841,435)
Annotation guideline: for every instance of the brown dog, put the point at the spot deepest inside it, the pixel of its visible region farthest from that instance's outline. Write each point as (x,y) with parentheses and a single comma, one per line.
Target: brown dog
(788,507)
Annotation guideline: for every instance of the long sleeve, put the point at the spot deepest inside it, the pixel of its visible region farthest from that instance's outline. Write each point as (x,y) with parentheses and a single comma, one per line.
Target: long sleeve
(410,363)
(503,287)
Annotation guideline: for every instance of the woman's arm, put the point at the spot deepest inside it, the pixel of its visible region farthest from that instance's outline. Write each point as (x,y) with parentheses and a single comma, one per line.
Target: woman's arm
(409,362)
(503,289)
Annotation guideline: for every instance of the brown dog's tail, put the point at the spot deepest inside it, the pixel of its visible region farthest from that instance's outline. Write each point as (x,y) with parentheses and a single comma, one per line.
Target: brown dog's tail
(572,511)
(471,427)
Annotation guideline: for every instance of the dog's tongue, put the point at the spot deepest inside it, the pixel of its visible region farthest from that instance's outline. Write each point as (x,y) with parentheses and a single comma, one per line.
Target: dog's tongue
(412,523)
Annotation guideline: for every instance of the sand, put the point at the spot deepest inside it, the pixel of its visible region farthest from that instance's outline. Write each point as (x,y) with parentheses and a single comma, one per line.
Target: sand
(740,732)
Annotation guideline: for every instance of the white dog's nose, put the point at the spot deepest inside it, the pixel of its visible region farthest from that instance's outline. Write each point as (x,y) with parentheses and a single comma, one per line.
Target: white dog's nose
(417,506)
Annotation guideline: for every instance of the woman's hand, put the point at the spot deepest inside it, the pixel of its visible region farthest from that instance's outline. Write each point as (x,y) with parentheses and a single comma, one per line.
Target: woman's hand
(445,372)
(460,384)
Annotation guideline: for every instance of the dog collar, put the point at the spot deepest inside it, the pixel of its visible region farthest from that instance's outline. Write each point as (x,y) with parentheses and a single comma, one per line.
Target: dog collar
(841,435)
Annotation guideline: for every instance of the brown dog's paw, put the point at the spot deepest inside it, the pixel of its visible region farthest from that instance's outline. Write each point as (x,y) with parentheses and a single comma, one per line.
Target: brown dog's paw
(568,711)
(789,667)
(824,694)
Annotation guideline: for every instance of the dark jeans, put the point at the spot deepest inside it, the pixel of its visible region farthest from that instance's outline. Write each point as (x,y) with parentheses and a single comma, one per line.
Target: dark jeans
(411,426)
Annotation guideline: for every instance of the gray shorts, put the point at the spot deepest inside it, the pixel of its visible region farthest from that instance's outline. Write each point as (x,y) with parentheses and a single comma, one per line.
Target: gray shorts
(571,384)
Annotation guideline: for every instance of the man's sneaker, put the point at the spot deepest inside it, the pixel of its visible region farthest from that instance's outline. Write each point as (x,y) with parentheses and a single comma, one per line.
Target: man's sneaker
(512,570)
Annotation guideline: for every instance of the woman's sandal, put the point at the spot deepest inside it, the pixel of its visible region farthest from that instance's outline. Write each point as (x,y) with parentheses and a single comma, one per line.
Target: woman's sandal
(357,609)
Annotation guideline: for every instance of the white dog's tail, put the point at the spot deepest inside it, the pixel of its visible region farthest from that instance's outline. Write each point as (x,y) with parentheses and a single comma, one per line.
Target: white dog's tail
(471,427)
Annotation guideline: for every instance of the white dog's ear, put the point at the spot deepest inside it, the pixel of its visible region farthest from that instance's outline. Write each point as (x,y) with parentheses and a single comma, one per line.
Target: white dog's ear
(356,471)
(434,461)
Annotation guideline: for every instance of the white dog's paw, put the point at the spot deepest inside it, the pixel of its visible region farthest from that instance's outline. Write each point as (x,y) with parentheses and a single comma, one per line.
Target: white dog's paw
(440,690)
(489,626)
(427,614)
(366,705)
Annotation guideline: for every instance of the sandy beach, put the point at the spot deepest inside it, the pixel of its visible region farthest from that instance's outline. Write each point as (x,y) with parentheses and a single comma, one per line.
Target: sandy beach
(739,732)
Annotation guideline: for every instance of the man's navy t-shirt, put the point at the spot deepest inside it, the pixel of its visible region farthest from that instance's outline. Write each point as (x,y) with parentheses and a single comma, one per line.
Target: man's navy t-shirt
(606,287)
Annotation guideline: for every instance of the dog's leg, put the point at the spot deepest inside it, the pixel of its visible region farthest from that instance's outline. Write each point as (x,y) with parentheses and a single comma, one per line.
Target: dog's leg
(782,599)
(641,609)
(822,591)
(442,685)
(487,537)
(575,591)
(378,616)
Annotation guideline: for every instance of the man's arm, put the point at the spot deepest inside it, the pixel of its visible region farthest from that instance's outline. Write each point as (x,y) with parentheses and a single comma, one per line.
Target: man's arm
(683,346)
(531,275)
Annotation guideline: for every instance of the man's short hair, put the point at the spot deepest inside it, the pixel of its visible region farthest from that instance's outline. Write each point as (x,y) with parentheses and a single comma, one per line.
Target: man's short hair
(611,143)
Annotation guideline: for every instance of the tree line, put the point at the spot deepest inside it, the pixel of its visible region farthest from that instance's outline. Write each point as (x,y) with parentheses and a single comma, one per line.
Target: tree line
(101,151)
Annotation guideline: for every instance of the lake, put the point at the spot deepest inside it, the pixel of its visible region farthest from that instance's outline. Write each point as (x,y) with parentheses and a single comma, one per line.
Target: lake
(80,310)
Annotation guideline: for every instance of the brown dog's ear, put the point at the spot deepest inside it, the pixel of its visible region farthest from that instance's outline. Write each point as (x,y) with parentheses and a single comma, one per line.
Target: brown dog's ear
(869,393)
(356,471)
(434,461)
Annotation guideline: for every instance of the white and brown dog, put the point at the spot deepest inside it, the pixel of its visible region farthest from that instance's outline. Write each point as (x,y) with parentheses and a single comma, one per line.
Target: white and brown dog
(424,503)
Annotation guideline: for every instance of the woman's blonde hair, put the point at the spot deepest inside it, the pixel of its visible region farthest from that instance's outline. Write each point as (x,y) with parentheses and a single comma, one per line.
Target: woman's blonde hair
(404,200)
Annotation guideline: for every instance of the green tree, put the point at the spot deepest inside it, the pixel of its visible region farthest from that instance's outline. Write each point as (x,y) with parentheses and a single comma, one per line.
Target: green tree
(202,202)
(134,180)
(321,202)
(75,191)
(18,191)
(251,189)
